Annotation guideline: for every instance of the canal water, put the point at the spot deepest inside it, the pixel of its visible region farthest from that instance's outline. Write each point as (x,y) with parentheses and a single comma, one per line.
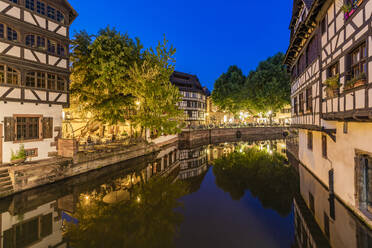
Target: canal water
(242,194)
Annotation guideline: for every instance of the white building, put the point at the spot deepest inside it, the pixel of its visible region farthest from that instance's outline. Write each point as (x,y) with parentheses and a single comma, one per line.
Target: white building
(34,75)
(330,60)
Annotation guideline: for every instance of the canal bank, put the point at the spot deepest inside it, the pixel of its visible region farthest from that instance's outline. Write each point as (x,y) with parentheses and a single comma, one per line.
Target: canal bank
(15,179)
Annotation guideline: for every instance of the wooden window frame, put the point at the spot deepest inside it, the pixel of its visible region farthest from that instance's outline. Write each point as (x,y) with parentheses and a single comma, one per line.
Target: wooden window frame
(361,48)
(309,100)
(295,105)
(333,69)
(35,150)
(301,102)
(28,116)
(6,73)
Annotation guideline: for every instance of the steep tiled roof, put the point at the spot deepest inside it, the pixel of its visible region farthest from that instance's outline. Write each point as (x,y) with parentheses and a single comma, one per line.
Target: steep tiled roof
(186,82)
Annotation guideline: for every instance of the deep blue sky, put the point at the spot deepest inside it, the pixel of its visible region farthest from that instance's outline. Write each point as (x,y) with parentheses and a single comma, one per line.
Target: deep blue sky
(210,35)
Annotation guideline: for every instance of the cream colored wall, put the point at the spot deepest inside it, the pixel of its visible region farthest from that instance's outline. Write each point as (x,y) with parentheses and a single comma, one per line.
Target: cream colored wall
(44,147)
(343,228)
(341,155)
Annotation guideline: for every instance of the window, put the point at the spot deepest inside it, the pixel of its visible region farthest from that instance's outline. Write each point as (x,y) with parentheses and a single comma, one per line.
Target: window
(309,99)
(301,64)
(30,40)
(60,16)
(312,50)
(324,25)
(40,7)
(60,50)
(295,105)
(40,42)
(333,70)
(30,4)
(346,127)
(12,34)
(358,59)
(310,140)
(12,76)
(51,46)
(326,225)
(31,153)
(51,81)
(61,85)
(51,12)
(14,1)
(27,128)
(324,146)
(301,102)
(2,33)
(31,79)
(40,80)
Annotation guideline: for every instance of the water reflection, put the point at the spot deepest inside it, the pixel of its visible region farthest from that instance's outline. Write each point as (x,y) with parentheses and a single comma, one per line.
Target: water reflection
(137,204)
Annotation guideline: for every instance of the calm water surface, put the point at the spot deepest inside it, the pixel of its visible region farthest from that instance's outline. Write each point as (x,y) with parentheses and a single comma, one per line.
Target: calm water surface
(177,198)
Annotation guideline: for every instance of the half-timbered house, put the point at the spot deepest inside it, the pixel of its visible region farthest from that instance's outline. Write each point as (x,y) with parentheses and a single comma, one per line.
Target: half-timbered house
(329,58)
(34,74)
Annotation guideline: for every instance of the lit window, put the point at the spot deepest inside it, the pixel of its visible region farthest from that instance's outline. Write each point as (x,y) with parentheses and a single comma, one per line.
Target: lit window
(40,80)
(31,79)
(51,82)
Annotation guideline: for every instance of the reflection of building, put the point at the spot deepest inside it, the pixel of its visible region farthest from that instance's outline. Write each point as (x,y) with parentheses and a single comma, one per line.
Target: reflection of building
(194,97)
(193,162)
(320,219)
(38,227)
(34,75)
(330,60)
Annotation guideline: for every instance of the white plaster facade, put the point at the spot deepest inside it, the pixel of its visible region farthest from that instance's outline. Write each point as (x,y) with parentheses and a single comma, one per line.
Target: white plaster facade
(44,147)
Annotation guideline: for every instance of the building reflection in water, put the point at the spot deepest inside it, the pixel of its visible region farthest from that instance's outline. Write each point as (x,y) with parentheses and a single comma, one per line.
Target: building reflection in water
(321,220)
(35,218)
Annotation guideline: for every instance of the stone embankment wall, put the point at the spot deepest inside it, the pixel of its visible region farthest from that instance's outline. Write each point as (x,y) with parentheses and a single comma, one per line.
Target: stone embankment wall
(219,135)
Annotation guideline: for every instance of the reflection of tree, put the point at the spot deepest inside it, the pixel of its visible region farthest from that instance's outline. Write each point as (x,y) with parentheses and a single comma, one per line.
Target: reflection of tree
(264,175)
(147,219)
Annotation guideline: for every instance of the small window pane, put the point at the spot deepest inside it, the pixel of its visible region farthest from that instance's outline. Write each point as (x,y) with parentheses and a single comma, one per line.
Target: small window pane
(51,46)
(12,76)
(30,4)
(30,40)
(12,34)
(1,30)
(41,80)
(51,82)
(2,74)
(40,8)
(31,79)
(40,42)
(51,12)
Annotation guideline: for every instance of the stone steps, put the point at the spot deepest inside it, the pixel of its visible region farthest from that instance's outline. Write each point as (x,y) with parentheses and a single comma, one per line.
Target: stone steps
(6,185)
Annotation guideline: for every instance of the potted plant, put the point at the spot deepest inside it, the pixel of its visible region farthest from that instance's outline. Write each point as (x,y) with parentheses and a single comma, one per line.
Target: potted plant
(19,157)
(359,80)
(332,85)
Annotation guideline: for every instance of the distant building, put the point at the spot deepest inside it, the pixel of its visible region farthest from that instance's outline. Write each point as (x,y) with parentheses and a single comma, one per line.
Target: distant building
(34,75)
(194,101)
(329,57)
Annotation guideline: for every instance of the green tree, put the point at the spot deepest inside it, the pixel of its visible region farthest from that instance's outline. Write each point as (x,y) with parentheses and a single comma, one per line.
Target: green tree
(116,80)
(156,97)
(227,90)
(100,73)
(266,176)
(147,219)
(268,87)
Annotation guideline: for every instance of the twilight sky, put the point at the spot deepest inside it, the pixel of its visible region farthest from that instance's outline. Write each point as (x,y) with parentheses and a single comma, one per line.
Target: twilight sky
(210,35)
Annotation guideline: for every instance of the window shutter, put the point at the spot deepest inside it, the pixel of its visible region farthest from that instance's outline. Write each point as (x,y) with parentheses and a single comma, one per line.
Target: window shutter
(9,129)
(47,127)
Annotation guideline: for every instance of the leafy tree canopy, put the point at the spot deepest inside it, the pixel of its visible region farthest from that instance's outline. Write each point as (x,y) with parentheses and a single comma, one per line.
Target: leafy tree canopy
(111,74)
(227,90)
(268,87)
